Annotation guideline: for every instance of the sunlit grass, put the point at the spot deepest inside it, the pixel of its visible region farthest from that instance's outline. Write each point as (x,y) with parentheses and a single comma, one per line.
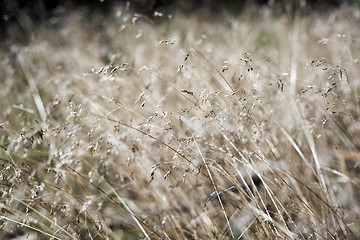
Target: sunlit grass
(127,127)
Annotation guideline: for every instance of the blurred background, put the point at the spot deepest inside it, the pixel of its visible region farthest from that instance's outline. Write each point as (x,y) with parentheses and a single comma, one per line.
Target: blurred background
(16,16)
(43,9)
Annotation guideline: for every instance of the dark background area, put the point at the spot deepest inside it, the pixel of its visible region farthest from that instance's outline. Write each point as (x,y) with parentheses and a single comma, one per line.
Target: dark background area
(41,10)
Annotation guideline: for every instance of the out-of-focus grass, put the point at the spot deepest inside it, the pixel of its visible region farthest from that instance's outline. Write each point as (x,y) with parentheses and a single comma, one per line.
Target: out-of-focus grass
(121,127)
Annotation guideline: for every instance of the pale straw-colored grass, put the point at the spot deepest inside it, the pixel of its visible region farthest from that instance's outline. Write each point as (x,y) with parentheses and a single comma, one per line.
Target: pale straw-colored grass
(126,127)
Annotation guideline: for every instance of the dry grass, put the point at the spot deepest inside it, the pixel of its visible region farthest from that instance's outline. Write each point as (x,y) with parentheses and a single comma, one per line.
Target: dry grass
(121,127)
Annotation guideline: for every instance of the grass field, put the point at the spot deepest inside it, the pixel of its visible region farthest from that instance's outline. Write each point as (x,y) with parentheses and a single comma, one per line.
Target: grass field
(180,127)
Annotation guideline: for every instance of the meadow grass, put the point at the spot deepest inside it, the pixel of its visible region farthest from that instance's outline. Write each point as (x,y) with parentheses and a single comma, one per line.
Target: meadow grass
(180,127)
